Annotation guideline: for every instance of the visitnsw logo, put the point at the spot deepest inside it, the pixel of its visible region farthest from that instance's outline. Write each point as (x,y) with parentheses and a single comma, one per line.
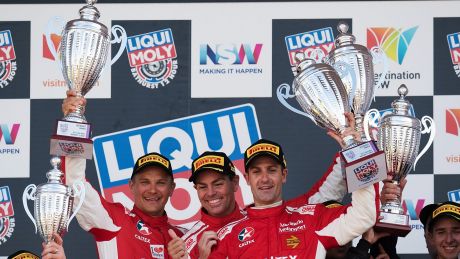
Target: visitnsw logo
(230,58)
(7,221)
(8,65)
(453,41)
(453,121)
(395,43)
(314,44)
(229,130)
(56,40)
(153,58)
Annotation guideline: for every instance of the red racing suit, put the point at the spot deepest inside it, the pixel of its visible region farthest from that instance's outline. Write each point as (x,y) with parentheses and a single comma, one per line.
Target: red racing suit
(119,232)
(331,186)
(298,232)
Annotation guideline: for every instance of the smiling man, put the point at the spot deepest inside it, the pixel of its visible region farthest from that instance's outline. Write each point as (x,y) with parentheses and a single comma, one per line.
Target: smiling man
(122,233)
(277,229)
(444,228)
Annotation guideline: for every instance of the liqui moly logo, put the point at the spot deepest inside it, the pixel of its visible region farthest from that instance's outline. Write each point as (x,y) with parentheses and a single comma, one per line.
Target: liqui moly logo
(454,46)
(314,44)
(366,171)
(7,56)
(152,57)
(7,221)
(230,130)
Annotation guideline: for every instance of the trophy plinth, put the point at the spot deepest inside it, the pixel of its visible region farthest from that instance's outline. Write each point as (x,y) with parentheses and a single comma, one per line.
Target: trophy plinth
(395,224)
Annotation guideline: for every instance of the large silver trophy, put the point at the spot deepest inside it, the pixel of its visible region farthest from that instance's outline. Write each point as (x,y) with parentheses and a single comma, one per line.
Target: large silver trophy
(83,53)
(359,81)
(399,137)
(53,202)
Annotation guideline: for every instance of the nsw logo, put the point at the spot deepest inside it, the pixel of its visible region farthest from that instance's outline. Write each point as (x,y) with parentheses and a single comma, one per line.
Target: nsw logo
(394,42)
(314,44)
(7,221)
(143,229)
(453,121)
(366,171)
(9,134)
(153,58)
(246,234)
(7,58)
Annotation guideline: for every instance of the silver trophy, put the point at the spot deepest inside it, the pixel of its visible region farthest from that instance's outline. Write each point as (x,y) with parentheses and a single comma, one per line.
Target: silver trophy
(399,137)
(83,53)
(53,202)
(359,83)
(321,94)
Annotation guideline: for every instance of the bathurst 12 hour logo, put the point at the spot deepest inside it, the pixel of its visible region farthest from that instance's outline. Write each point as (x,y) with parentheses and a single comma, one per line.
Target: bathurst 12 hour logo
(7,58)
(152,57)
(7,222)
(314,44)
(366,171)
(454,47)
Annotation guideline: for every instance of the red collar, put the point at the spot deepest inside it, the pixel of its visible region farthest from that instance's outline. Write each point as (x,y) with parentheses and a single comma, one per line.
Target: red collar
(265,213)
(152,221)
(221,221)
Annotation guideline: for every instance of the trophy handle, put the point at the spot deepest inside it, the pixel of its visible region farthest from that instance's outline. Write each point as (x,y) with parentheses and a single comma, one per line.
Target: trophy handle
(283,93)
(50,27)
(379,56)
(29,194)
(370,120)
(426,129)
(119,36)
(344,69)
(78,190)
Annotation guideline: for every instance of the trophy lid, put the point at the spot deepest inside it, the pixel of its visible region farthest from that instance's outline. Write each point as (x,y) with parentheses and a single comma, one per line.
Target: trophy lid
(89,16)
(344,37)
(401,106)
(302,62)
(54,175)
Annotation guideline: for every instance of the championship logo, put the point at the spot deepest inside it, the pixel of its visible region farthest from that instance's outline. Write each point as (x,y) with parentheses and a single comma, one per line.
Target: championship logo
(7,56)
(453,41)
(152,57)
(314,44)
(7,222)
(366,171)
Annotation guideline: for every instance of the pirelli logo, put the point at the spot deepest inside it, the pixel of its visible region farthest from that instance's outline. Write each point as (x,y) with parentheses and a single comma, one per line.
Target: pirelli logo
(153,158)
(263,148)
(208,160)
(446,208)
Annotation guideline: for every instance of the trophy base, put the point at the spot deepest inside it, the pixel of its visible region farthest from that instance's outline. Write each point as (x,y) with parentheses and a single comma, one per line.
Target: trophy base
(71,147)
(395,224)
(363,165)
(73,129)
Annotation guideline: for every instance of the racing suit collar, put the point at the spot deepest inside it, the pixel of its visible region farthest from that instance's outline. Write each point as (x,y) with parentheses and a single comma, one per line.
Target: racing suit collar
(150,220)
(253,212)
(221,221)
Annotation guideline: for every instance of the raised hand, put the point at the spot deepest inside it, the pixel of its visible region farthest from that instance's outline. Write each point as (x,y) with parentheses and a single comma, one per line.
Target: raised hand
(176,247)
(207,241)
(54,249)
(71,102)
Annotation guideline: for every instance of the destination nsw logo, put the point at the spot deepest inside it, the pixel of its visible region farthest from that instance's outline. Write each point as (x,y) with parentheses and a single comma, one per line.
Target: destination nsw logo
(453,41)
(395,43)
(230,58)
(453,128)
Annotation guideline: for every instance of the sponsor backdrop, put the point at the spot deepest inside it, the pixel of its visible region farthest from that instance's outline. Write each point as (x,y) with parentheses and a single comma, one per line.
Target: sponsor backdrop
(202,76)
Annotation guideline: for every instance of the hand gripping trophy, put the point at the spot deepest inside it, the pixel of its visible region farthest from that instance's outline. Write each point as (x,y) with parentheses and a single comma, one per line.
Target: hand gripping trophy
(399,136)
(53,202)
(83,53)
